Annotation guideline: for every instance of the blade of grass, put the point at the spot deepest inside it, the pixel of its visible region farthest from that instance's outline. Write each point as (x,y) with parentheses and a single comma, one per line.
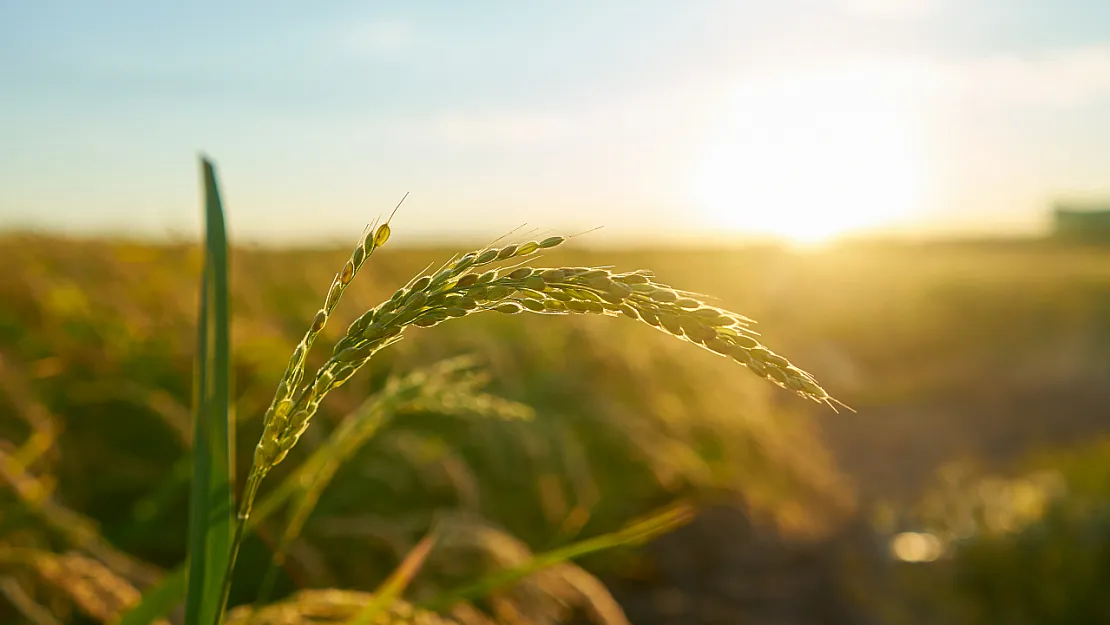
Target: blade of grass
(636,533)
(211,505)
(396,583)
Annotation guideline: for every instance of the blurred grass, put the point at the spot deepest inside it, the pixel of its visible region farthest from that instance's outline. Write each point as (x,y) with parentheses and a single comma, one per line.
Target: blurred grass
(988,351)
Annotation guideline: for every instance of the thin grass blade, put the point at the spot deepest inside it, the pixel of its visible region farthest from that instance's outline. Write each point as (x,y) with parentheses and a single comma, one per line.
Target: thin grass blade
(635,533)
(395,584)
(211,505)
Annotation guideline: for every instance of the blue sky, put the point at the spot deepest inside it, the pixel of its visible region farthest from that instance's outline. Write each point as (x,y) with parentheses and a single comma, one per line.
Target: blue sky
(660,119)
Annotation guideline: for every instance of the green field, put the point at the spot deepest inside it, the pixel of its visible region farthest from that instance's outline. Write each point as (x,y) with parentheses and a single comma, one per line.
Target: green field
(990,358)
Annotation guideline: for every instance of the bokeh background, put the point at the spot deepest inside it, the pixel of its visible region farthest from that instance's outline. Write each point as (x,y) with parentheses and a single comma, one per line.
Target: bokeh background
(912,197)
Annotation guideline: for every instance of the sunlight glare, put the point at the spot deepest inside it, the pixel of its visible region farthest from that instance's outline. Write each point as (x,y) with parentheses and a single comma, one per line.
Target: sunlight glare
(809,158)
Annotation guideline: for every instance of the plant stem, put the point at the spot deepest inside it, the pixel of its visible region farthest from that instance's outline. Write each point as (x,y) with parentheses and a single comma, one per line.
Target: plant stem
(249,494)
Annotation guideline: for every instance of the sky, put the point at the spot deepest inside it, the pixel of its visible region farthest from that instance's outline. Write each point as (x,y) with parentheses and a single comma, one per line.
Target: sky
(801,119)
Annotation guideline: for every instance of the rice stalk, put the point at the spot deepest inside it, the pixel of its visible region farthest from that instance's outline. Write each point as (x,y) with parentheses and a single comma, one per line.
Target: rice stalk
(277,417)
(340,606)
(449,387)
(459,290)
(471,284)
(24,603)
(45,427)
(91,586)
(80,531)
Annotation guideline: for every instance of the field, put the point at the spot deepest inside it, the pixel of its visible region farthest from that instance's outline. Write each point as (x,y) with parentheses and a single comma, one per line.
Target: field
(966,363)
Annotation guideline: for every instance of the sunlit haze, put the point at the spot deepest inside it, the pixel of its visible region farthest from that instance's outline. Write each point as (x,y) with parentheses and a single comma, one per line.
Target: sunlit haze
(802,120)
(811,157)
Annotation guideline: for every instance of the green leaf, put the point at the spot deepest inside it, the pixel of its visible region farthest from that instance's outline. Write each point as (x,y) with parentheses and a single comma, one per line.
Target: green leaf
(211,507)
(635,533)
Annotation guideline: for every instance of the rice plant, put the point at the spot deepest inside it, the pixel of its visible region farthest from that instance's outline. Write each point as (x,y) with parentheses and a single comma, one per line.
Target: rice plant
(500,279)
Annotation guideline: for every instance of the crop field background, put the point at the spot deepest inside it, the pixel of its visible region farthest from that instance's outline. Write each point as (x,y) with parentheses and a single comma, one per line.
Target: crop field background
(970,485)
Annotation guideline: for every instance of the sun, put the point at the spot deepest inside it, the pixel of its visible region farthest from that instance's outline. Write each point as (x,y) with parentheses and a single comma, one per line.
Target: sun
(810,158)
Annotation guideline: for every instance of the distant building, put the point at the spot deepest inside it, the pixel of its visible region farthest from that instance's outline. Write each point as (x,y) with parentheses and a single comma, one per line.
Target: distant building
(1086,223)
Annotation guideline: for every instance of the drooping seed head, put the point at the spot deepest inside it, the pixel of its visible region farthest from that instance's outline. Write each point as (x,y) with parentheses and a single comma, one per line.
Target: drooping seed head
(438,314)
(360,324)
(769,357)
(347,273)
(531,293)
(612,299)
(619,289)
(465,262)
(561,296)
(664,295)
(299,353)
(698,332)
(777,375)
(717,345)
(576,306)
(553,275)
(421,283)
(670,323)
(741,355)
(745,341)
(600,283)
(533,305)
(382,235)
(318,322)
(334,293)
(587,296)
(352,354)
(416,300)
